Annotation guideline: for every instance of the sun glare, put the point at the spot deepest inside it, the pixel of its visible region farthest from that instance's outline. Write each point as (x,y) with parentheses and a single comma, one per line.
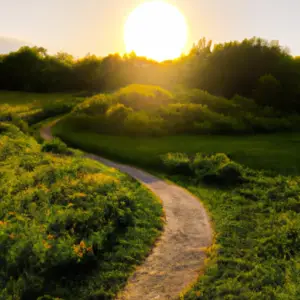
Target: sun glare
(156,30)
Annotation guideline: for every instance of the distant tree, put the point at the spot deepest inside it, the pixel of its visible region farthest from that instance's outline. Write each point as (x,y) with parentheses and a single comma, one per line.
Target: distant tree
(268,92)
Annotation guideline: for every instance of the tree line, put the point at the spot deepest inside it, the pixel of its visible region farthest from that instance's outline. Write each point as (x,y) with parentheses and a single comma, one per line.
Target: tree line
(254,68)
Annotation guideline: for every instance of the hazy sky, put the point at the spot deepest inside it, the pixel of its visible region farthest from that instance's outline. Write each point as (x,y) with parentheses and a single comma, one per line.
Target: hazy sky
(96,26)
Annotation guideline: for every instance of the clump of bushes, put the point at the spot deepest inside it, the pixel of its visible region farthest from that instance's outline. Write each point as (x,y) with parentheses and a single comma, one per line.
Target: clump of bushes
(177,163)
(217,168)
(143,97)
(56,146)
(214,169)
(146,110)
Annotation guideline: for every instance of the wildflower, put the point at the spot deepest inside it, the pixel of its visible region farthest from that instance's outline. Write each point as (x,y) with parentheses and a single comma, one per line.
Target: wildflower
(50,237)
(46,245)
(89,249)
(82,245)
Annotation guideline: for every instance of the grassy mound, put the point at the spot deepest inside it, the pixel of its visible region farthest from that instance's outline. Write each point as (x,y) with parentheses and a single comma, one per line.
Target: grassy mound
(146,110)
(70,228)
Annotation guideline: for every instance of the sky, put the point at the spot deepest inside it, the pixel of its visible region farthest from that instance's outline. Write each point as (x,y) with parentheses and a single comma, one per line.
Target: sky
(97,26)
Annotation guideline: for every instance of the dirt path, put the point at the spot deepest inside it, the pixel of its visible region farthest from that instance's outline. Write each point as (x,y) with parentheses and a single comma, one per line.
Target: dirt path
(179,256)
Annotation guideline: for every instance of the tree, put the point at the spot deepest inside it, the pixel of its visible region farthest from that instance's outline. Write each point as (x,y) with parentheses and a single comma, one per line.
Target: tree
(268,92)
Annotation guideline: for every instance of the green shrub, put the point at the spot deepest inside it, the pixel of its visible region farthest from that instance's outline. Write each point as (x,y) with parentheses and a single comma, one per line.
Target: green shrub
(143,97)
(142,123)
(96,105)
(55,146)
(177,163)
(216,169)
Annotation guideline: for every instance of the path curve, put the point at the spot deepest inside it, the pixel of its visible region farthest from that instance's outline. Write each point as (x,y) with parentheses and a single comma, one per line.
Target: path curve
(177,259)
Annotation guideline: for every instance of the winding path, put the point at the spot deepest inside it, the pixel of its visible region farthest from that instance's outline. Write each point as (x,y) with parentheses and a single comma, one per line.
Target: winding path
(178,258)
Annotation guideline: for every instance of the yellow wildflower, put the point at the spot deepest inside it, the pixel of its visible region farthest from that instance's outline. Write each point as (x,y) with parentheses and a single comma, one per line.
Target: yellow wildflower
(82,245)
(50,237)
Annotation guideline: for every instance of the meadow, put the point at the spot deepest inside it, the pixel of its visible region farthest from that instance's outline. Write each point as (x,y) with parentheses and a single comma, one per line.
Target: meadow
(276,153)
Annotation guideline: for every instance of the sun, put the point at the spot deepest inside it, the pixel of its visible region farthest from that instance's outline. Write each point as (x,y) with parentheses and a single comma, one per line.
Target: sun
(156,30)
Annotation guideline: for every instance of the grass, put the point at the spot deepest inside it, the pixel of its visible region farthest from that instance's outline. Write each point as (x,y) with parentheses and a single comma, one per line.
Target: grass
(70,228)
(34,108)
(274,152)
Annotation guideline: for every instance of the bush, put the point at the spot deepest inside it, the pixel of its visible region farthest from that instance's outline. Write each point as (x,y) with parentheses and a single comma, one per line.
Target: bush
(177,163)
(96,105)
(141,123)
(268,92)
(143,97)
(55,146)
(216,169)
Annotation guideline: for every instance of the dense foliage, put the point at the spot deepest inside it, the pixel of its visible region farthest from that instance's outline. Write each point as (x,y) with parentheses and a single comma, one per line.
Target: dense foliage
(150,110)
(253,68)
(70,228)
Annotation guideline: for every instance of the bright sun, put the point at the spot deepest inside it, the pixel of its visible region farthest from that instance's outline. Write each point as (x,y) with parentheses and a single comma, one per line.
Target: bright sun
(156,30)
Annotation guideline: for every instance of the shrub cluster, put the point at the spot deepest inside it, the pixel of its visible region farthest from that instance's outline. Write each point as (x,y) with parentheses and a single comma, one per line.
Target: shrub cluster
(149,110)
(213,169)
(70,228)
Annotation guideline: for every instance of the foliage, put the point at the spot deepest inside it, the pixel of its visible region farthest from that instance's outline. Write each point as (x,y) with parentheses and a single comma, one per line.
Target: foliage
(143,97)
(21,108)
(268,91)
(237,67)
(148,110)
(55,146)
(244,68)
(177,163)
(70,228)
(215,169)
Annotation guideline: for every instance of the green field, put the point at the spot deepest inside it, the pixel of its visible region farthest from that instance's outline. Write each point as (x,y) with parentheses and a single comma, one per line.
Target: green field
(276,152)
(34,107)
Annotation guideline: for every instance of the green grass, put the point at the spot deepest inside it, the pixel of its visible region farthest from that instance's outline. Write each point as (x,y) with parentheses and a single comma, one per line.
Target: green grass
(33,107)
(70,228)
(32,99)
(276,152)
